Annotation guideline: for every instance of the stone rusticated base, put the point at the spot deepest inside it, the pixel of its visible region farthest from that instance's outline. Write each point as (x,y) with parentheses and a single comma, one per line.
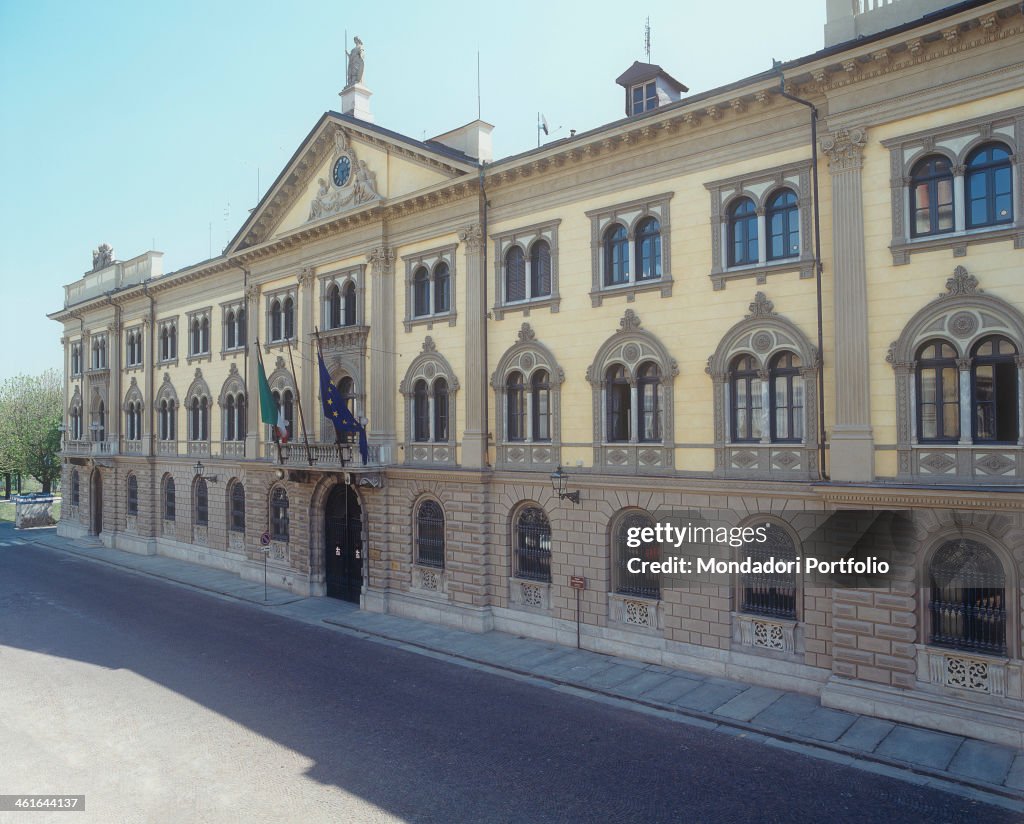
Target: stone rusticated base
(71,529)
(999,724)
(135,544)
(751,669)
(434,610)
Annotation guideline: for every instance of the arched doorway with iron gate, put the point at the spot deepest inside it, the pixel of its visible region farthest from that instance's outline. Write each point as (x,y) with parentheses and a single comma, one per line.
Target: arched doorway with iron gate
(344,552)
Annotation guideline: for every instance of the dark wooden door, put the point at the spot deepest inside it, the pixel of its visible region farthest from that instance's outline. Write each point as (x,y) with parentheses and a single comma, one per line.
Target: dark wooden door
(96,502)
(344,551)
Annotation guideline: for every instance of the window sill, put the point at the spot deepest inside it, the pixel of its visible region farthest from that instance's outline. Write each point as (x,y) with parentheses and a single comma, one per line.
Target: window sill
(524,307)
(663,284)
(168,362)
(903,248)
(430,320)
(761,271)
(198,357)
(277,344)
(231,350)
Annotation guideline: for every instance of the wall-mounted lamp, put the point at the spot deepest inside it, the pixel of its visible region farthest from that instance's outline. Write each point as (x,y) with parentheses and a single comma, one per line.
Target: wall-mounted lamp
(559,479)
(200,472)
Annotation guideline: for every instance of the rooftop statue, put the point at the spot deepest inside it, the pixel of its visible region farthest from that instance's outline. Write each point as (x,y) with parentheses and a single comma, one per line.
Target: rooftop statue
(355,63)
(102,257)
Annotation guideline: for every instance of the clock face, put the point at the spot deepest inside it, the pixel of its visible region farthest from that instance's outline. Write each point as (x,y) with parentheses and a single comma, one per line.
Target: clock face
(342,169)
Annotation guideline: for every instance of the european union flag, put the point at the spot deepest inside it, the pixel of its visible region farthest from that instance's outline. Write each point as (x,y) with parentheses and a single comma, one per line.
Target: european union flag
(337,411)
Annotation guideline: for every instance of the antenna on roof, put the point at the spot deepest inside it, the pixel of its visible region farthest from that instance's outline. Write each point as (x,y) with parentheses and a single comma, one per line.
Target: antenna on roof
(478,84)
(647,39)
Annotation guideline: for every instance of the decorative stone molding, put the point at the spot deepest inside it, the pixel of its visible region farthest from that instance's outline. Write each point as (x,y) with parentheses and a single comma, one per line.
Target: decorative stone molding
(633,613)
(976,675)
(631,347)
(531,595)
(528,357)
(430,367)
(472,236)
(630,215)
(955,142)
(525,238)
(764,633)
(763,334)
(760,187)
(358,188)
(844,149)
(430,581)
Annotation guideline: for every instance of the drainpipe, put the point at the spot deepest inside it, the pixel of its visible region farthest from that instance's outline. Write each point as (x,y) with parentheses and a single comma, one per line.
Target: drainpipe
(777,66)
(151,395)
(484,275)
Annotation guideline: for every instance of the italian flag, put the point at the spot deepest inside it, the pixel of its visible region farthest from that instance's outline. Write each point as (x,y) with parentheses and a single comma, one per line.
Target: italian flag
(270,413)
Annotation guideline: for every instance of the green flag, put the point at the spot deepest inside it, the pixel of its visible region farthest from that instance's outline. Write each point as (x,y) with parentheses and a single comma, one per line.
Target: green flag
(268,409)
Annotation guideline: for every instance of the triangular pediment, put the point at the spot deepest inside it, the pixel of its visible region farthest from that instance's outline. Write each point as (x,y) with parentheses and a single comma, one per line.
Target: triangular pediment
(346,165)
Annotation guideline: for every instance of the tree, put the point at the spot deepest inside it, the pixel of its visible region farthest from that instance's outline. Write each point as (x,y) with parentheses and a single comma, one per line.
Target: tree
(30,412)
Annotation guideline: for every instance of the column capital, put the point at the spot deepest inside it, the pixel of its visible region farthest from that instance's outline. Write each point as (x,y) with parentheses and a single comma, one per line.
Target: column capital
(381,258)
(845,148)
(305,276)
(472,236)
(252,292)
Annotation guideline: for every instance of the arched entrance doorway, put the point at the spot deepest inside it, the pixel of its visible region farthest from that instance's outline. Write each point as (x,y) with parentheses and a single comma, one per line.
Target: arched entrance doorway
(96,503)
(343,550)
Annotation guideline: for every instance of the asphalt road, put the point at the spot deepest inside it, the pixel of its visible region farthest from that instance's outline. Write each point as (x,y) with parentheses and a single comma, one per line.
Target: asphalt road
(163,704)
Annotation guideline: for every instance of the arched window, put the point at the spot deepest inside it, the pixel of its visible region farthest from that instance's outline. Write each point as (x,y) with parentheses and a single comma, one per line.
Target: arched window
(994,396)
(236,519)
(240,328)
(649,402)
(132,504)
(532,545)
(440,410)
(772,594)
(745,393)
(643,584)
(230,330)
(540,269)
(240,417)
(442,288)
(421,412)
(333,306)
(786,395)
(430,535)
(743,232)
(515,407)
(346,388)
(279,514)
(285,401)
(619,403)
(229,418)
(968,598)
(515,275)
(168,498)
(101,419)
(648,249)
(938,392)
(616,255)
(196,337)
(540,405)
(421,292)
(276,320)
(167,420)
(988,185)
(288,316)
(349,294)
(782,219)
(931,197)
(204,335)
(196,415)
(74,487)
(202,503)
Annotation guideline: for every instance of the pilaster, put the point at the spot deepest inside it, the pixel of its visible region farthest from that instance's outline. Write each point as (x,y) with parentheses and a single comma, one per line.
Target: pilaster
(305,345)
(474,438)
(851,441)
(383,381)
(252,397)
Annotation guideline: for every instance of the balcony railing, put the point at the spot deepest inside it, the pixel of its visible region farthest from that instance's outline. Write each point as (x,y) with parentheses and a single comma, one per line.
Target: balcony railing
(326,455)
(77,448)
(232,449)
(129,447)
(104,447)
(166,447)
(199,448)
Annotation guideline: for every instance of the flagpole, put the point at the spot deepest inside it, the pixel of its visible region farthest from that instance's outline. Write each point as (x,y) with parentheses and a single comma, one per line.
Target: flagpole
(263,370)
(337,434)
(298,402)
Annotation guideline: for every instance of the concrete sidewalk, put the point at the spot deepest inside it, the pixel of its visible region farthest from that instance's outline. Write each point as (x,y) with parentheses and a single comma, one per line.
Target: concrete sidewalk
(789,720)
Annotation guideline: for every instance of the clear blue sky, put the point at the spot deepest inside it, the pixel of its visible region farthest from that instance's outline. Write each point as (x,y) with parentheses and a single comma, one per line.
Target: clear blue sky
(137,124)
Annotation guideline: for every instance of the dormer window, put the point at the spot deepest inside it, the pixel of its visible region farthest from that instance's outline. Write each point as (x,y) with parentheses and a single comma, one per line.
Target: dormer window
(644,97)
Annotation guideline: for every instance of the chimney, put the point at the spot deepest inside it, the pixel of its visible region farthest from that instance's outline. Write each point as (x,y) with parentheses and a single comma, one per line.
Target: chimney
(473,139)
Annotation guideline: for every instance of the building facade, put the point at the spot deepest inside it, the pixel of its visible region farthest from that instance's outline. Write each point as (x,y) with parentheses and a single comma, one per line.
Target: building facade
(641,305)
